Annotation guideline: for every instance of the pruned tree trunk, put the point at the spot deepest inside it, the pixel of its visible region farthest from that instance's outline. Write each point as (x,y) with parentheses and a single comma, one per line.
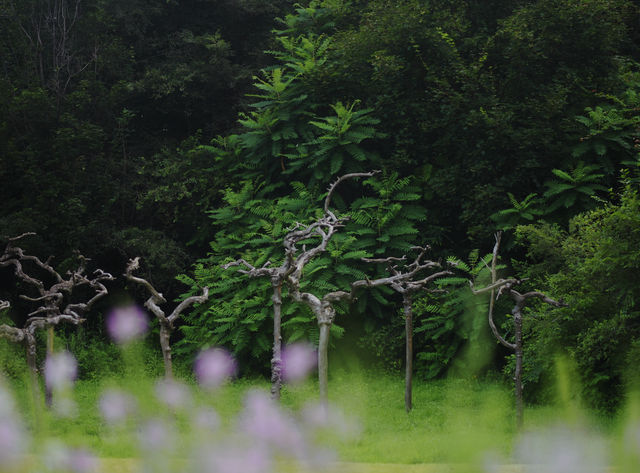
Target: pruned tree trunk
(165,345)
(276,360)
(277,276)
(517,377)
(48,393)
(166,322)
(51,299)
(405,282)
(295,261)
(323,361)
(408,328)
(506,286)
(30,345)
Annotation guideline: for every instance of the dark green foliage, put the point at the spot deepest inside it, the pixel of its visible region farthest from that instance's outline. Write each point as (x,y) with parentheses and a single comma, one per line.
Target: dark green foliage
(529,210)
(452,330)
(593,267)
(577,187)
(91,111)
(524,110)
(287,138)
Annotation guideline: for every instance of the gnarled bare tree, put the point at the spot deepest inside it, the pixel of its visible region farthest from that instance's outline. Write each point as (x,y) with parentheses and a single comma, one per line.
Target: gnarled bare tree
(166,321)
(324,227)
(408,284)
(55,301)
(277,276)
(506,286)
(323,307)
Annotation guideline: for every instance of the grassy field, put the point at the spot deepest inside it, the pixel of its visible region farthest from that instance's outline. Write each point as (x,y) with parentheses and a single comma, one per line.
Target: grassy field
(455,426)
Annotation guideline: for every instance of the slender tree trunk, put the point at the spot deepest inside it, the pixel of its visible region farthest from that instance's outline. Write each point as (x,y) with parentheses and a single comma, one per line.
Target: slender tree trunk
(517,378)
(165,335)
(408,328)
(323,362)
(30,345)
(48,394)
(276,361)
(30,342)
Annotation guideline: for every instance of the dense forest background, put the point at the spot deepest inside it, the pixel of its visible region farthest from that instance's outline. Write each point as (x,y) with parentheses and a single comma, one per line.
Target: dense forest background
(193,132)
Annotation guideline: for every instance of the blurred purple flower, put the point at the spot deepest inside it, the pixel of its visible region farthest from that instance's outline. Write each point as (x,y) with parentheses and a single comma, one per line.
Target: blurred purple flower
(298,360)
(173,394)
(266,422)
(59,457)
(155,435)
(206,419)
(12,442)
(60,370)
(81,461)
(213,366)
(562,450)
(125,324)
(116,406)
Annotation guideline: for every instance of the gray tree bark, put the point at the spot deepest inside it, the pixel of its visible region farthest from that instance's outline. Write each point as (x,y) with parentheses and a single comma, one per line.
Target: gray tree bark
(408,333)
(276,360)
(405,281)
(166,321)
(52,309)
(506,286)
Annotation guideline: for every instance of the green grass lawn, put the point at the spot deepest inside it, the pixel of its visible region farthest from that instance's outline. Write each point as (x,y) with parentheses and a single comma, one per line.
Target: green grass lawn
(455,424)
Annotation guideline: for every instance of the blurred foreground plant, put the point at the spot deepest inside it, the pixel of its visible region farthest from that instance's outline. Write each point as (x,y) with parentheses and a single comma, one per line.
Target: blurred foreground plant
(174,426)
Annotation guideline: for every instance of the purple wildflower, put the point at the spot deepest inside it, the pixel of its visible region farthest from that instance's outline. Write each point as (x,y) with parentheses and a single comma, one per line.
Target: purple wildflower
(213,367)
(12,442)
(298,360)
(173,394)
(154,435)
(125,324)
(562,450)
(60,370)
(59,457)
(81,461)
(263,420)
(206,419)
(116,406)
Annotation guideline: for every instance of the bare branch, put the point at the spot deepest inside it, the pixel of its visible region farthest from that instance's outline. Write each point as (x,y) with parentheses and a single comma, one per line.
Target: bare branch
(97,285)
(4,305)
(496,285)
(132,266)
(337,296)
(251,270)
(390,259)
(544,298)
(55,295)
(153,304)
(16,238)
(432,277)
(188,302)
(12,334)
(333,186)
(35,323)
